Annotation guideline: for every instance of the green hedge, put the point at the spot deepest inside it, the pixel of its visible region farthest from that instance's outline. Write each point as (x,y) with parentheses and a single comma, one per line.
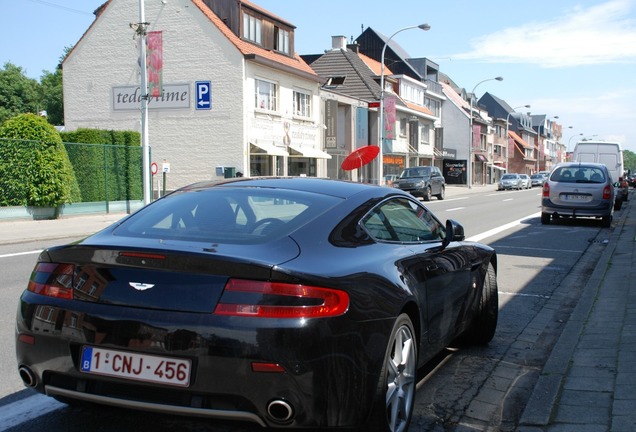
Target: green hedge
(107,163)
(34,167)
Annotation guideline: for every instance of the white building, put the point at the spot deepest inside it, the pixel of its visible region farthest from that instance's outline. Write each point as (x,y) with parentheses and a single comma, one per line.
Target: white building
(234,95)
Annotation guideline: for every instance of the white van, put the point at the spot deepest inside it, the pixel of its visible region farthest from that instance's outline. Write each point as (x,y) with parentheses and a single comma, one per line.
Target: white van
(604,152)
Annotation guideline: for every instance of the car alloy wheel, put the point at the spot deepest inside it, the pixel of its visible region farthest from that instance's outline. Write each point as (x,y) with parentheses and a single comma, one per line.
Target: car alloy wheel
(400,367)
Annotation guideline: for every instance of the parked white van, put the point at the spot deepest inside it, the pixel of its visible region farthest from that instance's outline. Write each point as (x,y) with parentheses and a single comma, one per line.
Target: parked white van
(604,152)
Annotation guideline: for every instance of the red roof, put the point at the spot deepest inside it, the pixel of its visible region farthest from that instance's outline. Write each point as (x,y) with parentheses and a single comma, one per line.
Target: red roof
(247,48)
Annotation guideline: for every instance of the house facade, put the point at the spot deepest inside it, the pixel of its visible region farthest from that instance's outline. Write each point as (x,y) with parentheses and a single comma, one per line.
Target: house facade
(235,98)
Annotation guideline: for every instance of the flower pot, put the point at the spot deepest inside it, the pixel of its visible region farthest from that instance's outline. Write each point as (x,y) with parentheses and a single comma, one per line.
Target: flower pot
(44,213)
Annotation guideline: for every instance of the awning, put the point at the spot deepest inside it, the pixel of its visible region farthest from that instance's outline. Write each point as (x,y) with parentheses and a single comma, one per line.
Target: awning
(268,149)
(480,157)
(519,140)
(310,152)
(497,167)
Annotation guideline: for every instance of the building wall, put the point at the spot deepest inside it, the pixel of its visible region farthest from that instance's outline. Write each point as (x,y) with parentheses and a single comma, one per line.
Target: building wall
(193,141)
(456,128)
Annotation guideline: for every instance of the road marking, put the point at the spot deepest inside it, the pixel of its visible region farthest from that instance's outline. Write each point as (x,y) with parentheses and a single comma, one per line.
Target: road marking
(27,409)
(492,232)
(524,295)
(21,253)
(455,209)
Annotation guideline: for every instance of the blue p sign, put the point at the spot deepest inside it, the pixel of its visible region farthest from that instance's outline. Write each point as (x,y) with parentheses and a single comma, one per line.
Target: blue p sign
(203,96)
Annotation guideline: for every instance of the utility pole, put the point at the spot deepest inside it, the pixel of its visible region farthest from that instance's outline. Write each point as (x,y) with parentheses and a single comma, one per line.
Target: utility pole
(141,30)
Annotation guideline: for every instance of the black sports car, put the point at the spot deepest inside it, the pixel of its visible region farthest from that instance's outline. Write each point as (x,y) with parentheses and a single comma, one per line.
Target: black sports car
(288,302)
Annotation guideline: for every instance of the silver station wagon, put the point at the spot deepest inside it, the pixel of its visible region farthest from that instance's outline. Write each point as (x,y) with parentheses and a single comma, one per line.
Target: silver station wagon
(577,189)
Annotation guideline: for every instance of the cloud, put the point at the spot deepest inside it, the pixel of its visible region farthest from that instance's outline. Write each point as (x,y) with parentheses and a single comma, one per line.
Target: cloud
(597,35)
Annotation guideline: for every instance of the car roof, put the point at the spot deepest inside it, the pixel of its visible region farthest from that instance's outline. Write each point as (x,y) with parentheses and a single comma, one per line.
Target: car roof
(338,188)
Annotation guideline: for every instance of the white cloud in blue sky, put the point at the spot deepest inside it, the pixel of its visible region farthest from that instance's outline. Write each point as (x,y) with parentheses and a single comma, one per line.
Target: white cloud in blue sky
(604,33)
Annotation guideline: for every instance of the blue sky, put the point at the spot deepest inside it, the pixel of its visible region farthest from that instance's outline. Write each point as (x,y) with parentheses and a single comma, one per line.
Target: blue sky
(575,59)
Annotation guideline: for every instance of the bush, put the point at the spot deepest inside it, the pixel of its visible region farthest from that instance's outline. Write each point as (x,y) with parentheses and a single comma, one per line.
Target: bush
(34,167)
(107,163)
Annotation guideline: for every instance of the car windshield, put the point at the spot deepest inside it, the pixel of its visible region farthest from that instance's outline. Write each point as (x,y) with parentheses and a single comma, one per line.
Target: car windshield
(229,215)
(578,174)
(509,177)
(416,172)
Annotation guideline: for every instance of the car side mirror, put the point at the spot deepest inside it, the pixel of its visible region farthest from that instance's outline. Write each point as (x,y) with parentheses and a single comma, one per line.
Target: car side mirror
(454,232)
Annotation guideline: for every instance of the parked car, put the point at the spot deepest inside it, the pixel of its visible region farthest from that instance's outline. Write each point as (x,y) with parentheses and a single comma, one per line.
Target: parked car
(509,181)
(389,179)
(538,179)
(578,190)
(422,181)
(286,302)
(526,182)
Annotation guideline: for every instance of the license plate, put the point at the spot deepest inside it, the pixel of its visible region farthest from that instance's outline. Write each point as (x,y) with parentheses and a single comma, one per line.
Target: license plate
(571,197)
(135,366)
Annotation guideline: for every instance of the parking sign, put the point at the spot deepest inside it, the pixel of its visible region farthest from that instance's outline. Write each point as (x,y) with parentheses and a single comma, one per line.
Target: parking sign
(202,94)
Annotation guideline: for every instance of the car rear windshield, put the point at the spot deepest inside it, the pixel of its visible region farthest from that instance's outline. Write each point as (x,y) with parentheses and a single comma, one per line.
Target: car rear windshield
(578,174)
(416,172)
(230,215)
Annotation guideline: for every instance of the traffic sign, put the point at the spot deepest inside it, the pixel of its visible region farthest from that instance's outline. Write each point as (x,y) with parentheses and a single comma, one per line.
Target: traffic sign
(202,95)
(154,168)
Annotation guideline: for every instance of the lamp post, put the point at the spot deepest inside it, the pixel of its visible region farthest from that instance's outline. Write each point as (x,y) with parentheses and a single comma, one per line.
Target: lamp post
(507,123)
(567,149)
(424,27)
(469,166)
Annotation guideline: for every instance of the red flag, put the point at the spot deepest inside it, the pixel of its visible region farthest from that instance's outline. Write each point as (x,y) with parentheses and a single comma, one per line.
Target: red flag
(154,61)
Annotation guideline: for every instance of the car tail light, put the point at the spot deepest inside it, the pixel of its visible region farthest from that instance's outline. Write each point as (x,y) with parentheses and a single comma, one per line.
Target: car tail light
(546,190)
(607,192)
(262,299)
(53,280)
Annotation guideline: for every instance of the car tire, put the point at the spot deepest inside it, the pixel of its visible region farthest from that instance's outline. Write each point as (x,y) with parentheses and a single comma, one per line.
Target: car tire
(545,218)
(606,221)
(485,322)
(441,194)
(427,193)
(395,396)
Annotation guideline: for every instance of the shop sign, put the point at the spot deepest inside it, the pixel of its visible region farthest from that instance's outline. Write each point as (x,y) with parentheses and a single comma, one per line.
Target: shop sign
(173,96)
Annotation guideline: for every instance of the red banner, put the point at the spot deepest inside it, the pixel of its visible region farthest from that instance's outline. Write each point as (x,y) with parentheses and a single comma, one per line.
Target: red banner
(389,117)
(154,61)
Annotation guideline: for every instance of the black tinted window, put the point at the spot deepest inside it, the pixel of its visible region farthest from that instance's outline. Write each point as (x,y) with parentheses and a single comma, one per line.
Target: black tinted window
(402,220)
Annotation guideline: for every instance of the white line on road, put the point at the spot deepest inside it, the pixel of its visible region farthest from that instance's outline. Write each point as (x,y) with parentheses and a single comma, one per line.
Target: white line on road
(524,295)
(455,209)
(21,253)
(492,232)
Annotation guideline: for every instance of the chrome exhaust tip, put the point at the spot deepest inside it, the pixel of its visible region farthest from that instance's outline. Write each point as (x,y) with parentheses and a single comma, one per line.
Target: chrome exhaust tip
(28,377)
(280,410)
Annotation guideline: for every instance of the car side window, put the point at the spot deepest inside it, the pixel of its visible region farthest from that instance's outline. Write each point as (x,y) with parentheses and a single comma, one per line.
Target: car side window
(401,220)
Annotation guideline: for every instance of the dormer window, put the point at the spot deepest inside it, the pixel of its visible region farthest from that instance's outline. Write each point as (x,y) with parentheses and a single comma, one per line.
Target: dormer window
(252,28)
(281,40)
(334,81)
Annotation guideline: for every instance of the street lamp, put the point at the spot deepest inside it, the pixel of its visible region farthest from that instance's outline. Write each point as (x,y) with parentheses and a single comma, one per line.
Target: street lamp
(507,120)
(567,149)
(424,27)
(470,132)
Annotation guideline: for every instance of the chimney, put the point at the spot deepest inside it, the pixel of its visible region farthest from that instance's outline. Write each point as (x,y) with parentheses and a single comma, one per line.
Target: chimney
(354,47)
(338,42)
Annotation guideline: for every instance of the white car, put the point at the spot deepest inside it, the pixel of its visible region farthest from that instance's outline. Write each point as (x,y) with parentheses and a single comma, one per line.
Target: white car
(526,182)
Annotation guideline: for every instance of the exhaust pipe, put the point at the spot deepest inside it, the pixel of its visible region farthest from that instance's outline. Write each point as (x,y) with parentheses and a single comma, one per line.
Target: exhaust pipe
(27,375)
(280,410)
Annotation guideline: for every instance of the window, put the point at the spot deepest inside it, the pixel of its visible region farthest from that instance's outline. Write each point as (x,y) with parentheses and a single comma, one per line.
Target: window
(403,122)
(302,104)
(403,220)
(252,28)
(281,40)
(265,95)
(424,133)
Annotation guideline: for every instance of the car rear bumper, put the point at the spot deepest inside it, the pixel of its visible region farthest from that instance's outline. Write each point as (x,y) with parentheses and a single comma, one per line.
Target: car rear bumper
(548,207)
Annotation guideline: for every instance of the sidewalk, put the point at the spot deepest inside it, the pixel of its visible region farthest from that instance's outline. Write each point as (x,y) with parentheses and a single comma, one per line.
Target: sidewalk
(589,381)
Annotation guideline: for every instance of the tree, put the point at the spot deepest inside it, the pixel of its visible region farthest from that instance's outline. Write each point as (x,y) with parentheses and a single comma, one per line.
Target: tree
(629,161)
(52,96)
(18,93)
(34,167)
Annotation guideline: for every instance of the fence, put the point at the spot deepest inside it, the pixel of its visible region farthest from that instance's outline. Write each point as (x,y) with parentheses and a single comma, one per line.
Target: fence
(109,178)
